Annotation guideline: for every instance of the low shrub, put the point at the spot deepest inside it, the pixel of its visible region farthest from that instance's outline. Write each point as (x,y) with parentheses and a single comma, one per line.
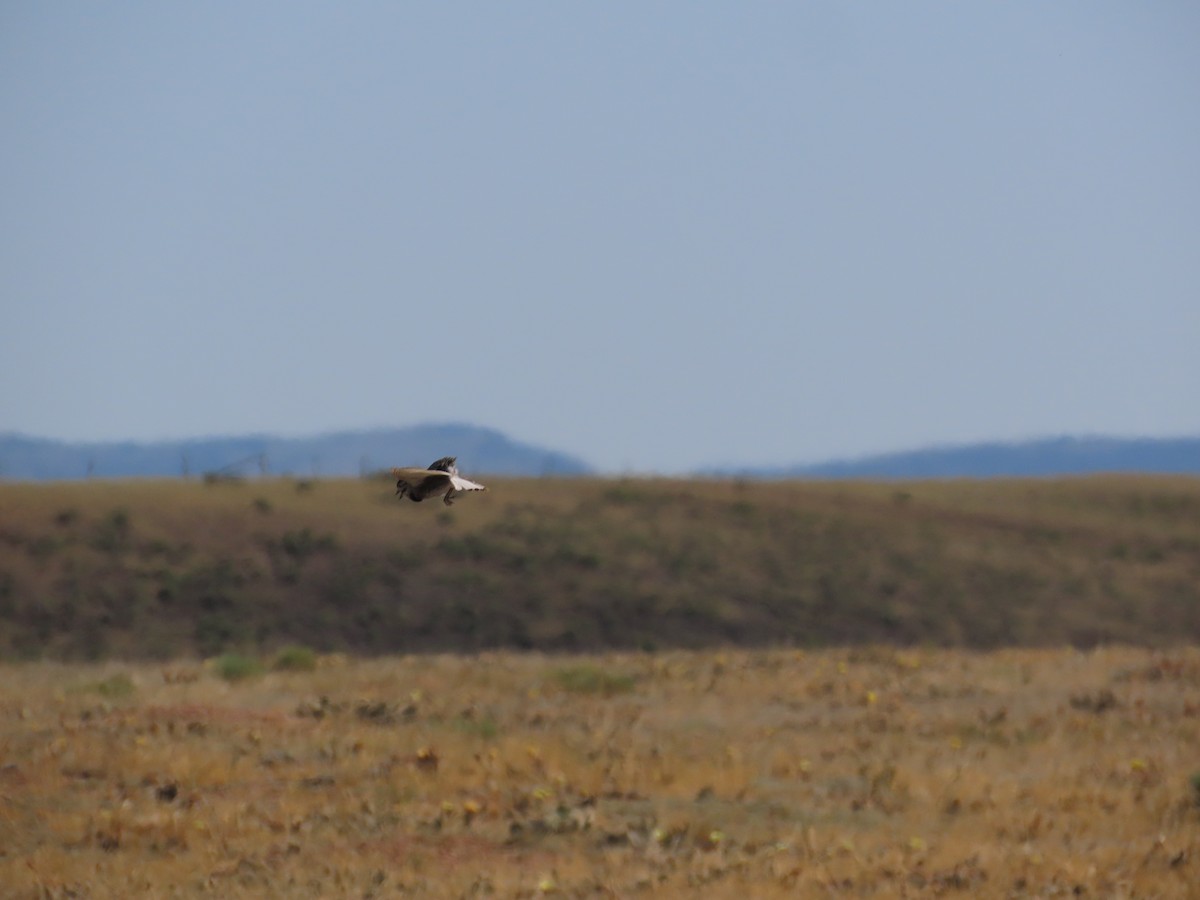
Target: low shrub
(295,658)
(235,667)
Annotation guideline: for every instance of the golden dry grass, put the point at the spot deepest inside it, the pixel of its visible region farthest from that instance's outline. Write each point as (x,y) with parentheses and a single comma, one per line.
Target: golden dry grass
(743,773)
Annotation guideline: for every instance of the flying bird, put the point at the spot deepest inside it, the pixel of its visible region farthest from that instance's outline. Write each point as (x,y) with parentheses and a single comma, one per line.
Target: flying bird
(440,478)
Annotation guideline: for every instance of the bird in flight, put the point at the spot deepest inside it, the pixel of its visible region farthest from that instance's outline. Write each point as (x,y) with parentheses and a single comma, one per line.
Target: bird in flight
(440,478)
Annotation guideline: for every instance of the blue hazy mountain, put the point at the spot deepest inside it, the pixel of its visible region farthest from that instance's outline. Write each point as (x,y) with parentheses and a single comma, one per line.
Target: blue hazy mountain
(480,451)
(486,451)
(1034,458)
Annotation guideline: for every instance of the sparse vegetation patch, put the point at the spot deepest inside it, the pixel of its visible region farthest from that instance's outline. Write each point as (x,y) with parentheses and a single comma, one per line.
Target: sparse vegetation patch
(295,659)
(592,679)
(236,667)
(115,687)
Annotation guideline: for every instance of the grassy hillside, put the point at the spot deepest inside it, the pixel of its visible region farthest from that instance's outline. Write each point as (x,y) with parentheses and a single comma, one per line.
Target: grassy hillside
(157,569)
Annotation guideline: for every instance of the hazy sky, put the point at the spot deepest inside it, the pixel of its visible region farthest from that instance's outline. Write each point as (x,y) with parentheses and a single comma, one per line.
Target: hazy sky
(656,235)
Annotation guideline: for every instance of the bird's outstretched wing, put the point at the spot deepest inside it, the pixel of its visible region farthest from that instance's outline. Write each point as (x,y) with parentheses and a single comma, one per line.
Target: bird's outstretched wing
(445,464)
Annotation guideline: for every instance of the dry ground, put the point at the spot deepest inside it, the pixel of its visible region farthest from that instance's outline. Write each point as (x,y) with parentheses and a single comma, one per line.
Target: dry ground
(867,772)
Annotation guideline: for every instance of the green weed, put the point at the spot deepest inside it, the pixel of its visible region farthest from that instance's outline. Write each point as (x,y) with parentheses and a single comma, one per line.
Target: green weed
(115,687)
(295,658)
(235,667)
(590,679)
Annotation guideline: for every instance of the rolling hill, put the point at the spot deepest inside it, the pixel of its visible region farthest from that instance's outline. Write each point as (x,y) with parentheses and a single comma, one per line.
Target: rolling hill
(158,569)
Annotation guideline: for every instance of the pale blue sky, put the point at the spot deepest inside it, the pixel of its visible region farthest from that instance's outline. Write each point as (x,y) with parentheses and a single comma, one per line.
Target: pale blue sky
(656,235)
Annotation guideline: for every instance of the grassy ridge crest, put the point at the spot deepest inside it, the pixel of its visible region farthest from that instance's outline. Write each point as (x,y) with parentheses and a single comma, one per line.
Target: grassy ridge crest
(162,569)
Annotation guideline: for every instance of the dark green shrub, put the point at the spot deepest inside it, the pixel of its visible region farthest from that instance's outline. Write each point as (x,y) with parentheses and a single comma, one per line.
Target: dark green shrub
(112,534)
(303,543)
(216,631)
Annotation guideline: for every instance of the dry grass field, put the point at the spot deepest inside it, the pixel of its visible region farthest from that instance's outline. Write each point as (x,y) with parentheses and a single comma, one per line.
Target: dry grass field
(582,688)
(739,773)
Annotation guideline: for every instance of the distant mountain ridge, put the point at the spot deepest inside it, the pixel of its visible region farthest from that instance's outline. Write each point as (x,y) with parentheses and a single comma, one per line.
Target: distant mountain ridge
(343,453)
(1033,458)
(486,451)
